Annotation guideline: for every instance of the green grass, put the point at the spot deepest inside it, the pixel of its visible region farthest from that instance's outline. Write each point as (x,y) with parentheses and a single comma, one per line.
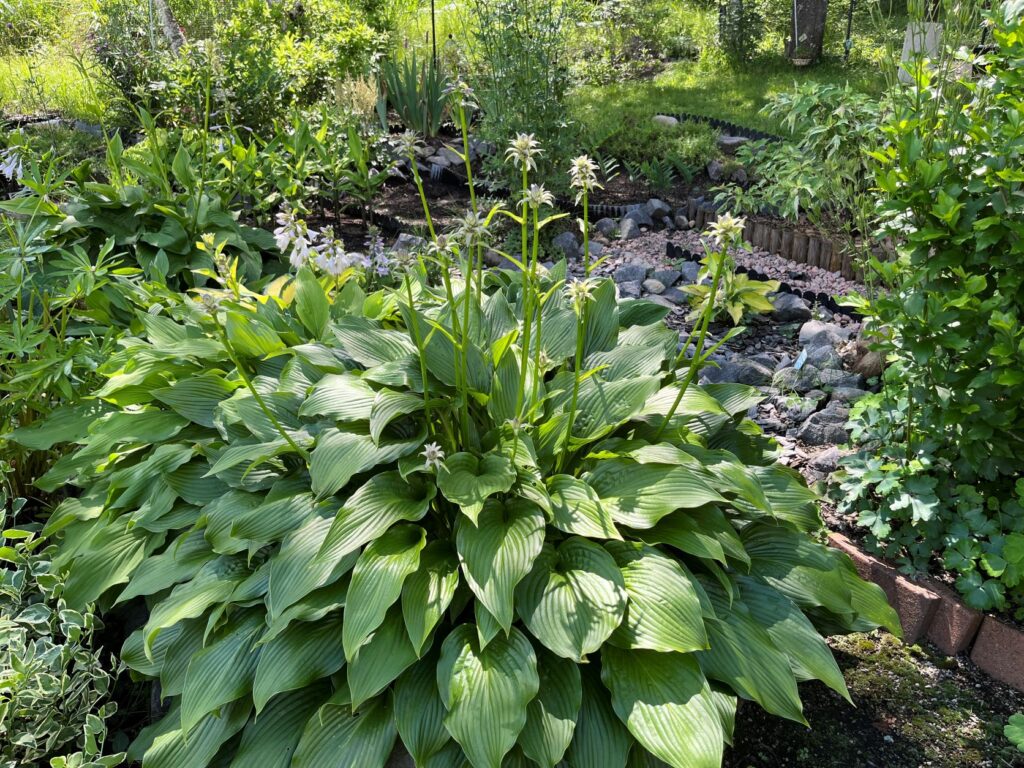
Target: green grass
(51,80)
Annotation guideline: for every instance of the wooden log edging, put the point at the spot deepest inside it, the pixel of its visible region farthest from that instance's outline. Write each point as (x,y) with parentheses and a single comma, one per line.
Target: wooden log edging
(929,610)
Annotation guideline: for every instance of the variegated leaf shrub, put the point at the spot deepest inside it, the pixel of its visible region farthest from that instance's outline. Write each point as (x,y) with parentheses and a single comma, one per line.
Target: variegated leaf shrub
(491,518)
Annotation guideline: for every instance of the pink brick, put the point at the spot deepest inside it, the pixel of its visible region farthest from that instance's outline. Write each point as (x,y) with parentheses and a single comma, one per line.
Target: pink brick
(861,561)
(999,652)
(954,625)
(915,604)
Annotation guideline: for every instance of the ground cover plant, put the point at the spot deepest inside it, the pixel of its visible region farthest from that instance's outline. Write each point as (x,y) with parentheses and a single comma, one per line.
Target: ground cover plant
(941,478)
(476,481)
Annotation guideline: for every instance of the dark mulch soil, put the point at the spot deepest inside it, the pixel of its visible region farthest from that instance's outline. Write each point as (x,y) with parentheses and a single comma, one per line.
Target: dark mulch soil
(913,709)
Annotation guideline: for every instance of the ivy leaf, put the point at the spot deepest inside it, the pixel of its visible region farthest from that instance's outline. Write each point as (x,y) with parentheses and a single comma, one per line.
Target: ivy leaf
(486,692)
(468,481)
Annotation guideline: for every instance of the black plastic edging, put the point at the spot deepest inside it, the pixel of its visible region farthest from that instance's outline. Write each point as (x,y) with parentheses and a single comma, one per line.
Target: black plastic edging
(731,129)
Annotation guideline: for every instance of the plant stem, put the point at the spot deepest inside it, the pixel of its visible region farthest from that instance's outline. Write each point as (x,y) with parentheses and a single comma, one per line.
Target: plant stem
(423,197)
(256,395)
(418,339)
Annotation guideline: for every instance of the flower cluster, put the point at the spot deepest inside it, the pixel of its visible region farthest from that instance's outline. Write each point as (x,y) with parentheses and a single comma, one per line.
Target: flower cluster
(536,197)
(376,259)
(11,166)
(523,150)
(583,176)
(293,235)
(728,230)
(331,256)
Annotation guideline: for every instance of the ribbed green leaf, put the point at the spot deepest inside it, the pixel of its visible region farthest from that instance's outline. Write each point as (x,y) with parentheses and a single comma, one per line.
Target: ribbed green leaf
(551,716)
(382,658)
(664,610)
(311,303)
(272,519)
(666,703)
(270,740)
(504,389)
(297,657)
(705,533)
(384,500)
(222,671)
(427,593)
(336,737)
(339,456)
(110,557)
(499,551)
(639,495)
(793,634)
(419,711)
(295,570)
(388,406)
(743,656)
(313,607)
(250,336)
(573,599)
(370,345)
(197,397)
(486,692)
(171,748)
(377,582)
(600,740)
(343,397)
(66,424)
(468,481)
(576,508)
(606,404)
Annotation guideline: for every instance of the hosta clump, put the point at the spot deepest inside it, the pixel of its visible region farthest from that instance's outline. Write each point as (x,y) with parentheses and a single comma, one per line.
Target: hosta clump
(355,521)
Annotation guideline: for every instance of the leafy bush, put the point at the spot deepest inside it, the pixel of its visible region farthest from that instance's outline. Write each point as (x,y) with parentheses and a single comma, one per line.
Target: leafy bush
(25,24)
(952,327)
(370,516)
(417,92)
(54,684)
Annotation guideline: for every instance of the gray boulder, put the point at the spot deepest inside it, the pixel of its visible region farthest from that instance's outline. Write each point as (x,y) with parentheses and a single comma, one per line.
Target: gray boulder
(607,227)
(825,427)
(641,217)
(681,221)
(848,394)
(630,289)
(790,308)
(690,270)
(567,245)
(826,461)
(676,296)
(739,372)
(629,229)
(667,277)
(666,121)
(824,357)
(657,209)
(834,379)
(729,144)
(815,333)
(715,170)
(630,273)
(406,244)
(653,286)
(793,380)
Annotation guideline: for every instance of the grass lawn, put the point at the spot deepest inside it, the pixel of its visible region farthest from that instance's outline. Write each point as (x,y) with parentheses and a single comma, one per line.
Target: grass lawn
(717,89)
(53,79)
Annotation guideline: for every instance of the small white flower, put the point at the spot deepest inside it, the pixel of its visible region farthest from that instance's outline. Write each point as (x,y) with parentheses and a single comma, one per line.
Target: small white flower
(579,292)
(433,456)
(11,164)
(727,230)
(537,196)
(522,150)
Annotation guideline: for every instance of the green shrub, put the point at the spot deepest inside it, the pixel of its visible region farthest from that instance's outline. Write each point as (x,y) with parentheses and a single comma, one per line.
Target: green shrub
(953,483)
(54,684)
(26,24)
(416,513)
(417,92)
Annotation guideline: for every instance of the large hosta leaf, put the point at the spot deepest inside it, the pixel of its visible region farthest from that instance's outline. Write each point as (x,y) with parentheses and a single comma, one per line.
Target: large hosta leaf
(576,508)
(343,397)
(469,481)
(427,593)
(377,582)
(337,737)
(419,711)
(499,551)
(486,692)
(664,611)
(573,599)
(270,741)
(295,570)
(551,716)
(294,659)
(600,740)
(383,657)
(167,746)
(639,495)
(384,500)
(666,703)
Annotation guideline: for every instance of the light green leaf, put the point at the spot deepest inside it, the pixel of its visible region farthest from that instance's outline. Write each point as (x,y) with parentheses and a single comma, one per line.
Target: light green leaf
(340,456)
(499,551)
(250,336)
(370,345)
(377,582)
(295,570)
(311,303)
(388,406)
(639,495)
(427,593)
(704,532)
(551,716)
(486,692)
(576,508)
(296,658)
(573,599)
(468,481)
(171,748)
(197,397)
(384,500)
(343,397)
(666,703)
(664,610)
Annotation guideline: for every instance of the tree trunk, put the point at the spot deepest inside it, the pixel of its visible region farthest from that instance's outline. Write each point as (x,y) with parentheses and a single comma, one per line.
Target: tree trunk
(807,30)
(169,25)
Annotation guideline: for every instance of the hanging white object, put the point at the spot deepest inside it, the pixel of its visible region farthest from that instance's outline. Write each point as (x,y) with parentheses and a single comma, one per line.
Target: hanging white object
(923,39)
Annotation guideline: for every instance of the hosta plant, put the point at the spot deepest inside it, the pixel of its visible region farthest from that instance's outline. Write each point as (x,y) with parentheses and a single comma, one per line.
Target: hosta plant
(494,520)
